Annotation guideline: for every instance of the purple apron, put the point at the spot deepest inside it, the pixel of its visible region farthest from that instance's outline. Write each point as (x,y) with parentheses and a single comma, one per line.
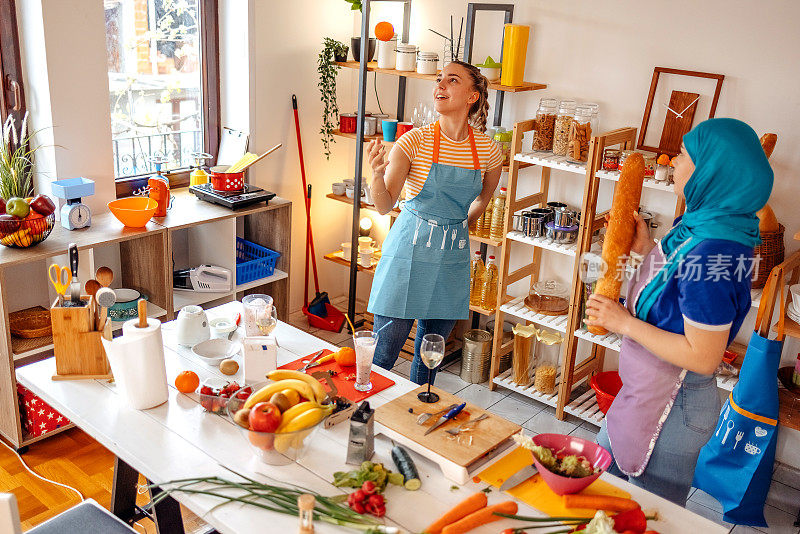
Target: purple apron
(649,387)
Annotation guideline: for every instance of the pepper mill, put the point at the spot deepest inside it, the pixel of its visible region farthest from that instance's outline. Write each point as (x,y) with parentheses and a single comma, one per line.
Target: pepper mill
(361,444)
(305,507)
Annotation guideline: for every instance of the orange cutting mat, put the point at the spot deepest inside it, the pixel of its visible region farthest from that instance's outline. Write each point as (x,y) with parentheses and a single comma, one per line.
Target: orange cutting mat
(535,492)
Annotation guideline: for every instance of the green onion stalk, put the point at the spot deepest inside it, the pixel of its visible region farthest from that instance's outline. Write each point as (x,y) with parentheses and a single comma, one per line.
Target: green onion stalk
(279,499)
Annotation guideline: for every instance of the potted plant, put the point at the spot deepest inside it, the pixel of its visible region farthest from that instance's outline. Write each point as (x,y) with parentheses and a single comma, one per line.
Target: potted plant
(332,51)
(25,220)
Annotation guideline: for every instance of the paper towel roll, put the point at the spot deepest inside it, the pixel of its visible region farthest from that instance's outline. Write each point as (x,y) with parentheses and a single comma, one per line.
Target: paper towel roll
(137,361)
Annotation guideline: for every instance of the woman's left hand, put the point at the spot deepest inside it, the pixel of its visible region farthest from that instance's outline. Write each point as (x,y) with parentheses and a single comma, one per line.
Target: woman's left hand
(609,314)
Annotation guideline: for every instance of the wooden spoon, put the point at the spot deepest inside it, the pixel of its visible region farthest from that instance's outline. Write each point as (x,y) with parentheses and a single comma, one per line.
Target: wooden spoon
(92,287)
(104,275)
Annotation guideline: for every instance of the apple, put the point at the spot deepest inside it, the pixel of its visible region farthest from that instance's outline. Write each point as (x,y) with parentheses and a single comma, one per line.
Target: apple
(264,417)
(8,224)
(17,207)
(2,206)
(265,442)
(43,205)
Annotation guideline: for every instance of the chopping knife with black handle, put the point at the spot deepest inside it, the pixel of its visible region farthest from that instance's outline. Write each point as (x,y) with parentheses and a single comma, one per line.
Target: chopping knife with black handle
(446,417)
(75,287)
(519,477)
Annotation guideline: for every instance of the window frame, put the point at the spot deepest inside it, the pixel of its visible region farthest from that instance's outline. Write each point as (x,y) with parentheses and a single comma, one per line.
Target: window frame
(12,94)
(209,85)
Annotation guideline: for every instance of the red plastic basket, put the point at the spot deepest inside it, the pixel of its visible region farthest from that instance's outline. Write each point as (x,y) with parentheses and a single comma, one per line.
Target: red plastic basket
(333,322)
(606,385)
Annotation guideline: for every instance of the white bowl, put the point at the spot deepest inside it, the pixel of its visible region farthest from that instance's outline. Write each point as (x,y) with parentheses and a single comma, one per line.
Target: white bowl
(213,351)
(338,188)
(221,327)
(492,73)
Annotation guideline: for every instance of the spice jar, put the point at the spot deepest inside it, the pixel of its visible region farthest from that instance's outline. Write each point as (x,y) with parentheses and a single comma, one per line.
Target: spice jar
(547,348)
(580,132)
(427,63)
(406,57)
(662,168)
(623,155)
(503,139)
(649,164)
(610,159)
(566,111)
(522,361)
(545,123)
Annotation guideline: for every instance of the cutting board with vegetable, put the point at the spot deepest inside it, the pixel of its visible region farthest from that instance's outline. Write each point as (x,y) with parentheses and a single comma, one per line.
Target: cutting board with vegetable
(454,454)
(344,377)
(535,492)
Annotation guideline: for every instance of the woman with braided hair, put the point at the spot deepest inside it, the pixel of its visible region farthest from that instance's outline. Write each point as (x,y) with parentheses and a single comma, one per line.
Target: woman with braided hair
(450,170)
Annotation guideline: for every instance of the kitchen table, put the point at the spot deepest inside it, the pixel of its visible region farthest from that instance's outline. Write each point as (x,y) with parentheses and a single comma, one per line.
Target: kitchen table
(179,440)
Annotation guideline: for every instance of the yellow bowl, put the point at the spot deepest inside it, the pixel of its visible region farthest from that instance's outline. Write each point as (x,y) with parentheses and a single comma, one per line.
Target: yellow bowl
(133,211)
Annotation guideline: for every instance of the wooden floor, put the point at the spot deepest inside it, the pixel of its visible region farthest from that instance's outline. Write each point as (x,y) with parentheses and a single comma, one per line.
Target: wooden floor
(75,459)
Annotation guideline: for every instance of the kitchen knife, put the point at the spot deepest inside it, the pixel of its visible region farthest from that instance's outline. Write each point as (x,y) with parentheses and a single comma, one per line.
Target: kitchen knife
(446,417)
(519,477)
(75,288)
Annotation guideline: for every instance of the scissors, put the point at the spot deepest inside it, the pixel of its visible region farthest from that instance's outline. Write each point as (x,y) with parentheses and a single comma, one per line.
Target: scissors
(61,278)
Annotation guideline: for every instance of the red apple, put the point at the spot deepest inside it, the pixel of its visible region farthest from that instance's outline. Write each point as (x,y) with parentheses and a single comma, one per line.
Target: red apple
(43,205)
(2,206)
(264,417)
(9,224)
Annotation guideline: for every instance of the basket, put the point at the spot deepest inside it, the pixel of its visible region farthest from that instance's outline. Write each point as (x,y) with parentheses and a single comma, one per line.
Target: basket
(26,232)
(253,261)
(606,385)
(30,323)
(772,251)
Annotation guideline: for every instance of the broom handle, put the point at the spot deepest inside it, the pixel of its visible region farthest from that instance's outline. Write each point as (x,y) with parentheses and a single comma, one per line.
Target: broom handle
(310,239)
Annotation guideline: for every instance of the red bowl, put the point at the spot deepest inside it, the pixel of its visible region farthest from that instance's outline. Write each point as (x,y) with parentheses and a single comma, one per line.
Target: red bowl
(226,181)
(567,445)
(606,385)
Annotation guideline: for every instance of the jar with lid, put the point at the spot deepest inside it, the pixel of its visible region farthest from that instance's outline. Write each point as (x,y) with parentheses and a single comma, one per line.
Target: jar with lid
(566,111)
(546,351)
(580,133)
(649,164)
(503,139)
(595,116)
(623,155)
(522,362)
(545,123)
(427,63)
(406,57)
(387,53)
(610,159)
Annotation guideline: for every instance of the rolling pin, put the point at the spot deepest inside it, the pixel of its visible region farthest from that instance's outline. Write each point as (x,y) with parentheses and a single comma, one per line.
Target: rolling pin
(621,229)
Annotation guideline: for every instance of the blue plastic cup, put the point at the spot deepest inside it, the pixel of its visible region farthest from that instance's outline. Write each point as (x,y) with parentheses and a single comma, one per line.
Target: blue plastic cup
(389,129)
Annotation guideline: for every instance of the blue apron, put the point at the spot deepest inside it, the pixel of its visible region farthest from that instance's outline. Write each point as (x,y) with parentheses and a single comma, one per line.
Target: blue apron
(423,272)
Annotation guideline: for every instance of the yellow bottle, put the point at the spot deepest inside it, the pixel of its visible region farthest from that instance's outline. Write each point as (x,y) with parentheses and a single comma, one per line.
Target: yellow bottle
(485,229)
(489,290)
(476,279)
(198,175)
(498,215)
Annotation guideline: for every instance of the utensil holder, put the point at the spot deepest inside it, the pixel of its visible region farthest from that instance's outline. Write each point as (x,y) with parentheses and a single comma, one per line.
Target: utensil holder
(78,350)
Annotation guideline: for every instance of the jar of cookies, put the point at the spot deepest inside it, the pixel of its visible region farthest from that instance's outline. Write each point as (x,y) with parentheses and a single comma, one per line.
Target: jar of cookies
(580,132)
(566,111)
(545,123)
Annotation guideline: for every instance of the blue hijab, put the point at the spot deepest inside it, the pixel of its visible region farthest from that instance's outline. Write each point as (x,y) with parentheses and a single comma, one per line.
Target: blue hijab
(731,181)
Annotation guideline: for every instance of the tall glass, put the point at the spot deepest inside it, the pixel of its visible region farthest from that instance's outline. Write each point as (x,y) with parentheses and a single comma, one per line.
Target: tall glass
(431,352)
(364,342)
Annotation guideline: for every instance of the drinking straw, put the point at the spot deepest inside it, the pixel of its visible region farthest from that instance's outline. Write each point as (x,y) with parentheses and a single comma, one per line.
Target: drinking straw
(352,328)
(451,37)
(458,43)
(440,34)
(384,326)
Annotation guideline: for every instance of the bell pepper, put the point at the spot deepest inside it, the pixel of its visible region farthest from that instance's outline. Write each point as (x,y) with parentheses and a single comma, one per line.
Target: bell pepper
(633,520)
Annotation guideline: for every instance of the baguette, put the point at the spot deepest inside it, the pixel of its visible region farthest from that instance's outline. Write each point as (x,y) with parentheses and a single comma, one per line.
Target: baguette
(767,222)
(768,141)
(621,229)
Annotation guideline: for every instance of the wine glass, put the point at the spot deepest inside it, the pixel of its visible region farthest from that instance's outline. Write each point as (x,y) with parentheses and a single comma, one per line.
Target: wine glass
(431,352)
(266,320)
(418,116)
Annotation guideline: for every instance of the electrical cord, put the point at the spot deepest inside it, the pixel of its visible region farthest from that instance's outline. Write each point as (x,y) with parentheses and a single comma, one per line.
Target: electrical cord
(34,473)
(375,85)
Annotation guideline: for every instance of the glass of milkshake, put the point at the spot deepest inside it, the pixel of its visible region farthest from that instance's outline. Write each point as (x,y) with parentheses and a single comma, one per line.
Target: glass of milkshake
(364,342)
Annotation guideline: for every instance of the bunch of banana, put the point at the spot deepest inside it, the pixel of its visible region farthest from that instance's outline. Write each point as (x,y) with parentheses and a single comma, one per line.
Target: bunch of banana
(304,384)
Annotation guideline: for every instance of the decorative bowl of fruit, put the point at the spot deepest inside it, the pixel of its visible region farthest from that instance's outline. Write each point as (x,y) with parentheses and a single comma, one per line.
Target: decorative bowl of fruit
(25,222)
(215,394)
(279,419)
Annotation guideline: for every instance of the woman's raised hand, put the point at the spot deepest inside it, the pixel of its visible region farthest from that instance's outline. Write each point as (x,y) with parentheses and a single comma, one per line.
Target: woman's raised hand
(377,158)
(642,243)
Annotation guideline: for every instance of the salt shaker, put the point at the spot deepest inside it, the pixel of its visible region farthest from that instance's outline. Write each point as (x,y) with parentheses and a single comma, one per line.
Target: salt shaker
(361,444)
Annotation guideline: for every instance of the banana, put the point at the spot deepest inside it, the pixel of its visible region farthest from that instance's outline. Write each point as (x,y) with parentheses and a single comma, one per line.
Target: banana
(293,412)
(306,420)
(283,374)
(265,393)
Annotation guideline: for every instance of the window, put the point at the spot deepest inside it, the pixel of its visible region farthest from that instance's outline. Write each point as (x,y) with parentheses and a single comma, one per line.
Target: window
(163,82)
(12,97)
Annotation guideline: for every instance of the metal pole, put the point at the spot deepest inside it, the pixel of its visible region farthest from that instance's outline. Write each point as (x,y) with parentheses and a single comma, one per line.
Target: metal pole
(362,93)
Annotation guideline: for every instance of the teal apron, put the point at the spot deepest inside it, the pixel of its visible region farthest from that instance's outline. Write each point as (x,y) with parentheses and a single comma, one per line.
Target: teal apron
(424,269)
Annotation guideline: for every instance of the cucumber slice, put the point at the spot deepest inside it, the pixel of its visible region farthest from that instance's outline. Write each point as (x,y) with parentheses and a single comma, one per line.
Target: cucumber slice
(413,484)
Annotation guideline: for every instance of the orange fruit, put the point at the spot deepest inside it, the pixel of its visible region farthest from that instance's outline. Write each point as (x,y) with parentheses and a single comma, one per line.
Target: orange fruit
(384,31)
(345,357)
(187,381)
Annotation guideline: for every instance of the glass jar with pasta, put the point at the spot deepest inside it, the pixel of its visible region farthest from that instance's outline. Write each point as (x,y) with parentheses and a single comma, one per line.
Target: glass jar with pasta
(566,111)
(580,133)
(547,350)
(545,123)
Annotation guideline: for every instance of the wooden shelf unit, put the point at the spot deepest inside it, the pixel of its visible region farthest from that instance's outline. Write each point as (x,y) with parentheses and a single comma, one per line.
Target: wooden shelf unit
(372,66)
(145,259)
(364,206)
(336,257)
(570,374)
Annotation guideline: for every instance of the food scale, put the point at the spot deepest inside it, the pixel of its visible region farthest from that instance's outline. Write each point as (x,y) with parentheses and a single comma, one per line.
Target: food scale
(232,199)
(74,214)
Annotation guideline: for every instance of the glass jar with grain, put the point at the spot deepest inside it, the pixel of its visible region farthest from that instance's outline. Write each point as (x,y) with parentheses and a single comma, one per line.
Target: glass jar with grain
(566,111)
(580,132)
(522,362)
(547,350)
(545,124)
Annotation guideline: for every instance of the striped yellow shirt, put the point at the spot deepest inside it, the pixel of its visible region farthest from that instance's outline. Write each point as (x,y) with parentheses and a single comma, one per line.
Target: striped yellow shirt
(417,145)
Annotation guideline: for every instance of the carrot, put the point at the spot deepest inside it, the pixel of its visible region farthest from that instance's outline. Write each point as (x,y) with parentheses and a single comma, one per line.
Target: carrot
(481,517)
(600,502)
(473,503)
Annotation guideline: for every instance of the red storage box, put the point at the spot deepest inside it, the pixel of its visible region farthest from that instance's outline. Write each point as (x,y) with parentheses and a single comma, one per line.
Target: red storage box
(37,416)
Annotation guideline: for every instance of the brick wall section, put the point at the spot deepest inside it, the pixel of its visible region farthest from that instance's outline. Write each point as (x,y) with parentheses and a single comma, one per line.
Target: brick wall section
(141,25)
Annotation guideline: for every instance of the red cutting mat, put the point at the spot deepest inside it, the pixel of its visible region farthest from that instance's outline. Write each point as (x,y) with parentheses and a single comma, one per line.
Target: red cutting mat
(345,387)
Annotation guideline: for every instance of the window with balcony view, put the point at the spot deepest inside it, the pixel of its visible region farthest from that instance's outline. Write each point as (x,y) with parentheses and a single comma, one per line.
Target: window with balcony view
(155,76)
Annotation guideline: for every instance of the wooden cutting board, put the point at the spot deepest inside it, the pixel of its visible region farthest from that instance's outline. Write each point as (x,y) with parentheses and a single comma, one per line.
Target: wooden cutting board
(487,435)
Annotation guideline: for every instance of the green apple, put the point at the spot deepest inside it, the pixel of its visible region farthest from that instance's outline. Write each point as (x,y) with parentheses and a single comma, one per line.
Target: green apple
(17,207)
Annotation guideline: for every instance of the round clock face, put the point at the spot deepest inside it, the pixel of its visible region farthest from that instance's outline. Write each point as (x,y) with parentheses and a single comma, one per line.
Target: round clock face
(80,216)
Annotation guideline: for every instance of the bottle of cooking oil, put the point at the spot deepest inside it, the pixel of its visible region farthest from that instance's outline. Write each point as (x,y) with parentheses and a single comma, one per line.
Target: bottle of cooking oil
(476,277)
(498,215)
(485,229)
(489,290)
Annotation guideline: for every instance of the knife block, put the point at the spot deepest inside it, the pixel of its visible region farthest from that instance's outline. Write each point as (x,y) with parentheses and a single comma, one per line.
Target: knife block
(78,350)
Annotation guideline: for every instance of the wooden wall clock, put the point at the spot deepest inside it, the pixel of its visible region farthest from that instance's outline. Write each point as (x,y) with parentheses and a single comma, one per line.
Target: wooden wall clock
(680,111)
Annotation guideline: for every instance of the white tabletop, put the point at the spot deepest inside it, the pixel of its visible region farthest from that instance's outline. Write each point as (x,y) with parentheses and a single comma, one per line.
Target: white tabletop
(180,440)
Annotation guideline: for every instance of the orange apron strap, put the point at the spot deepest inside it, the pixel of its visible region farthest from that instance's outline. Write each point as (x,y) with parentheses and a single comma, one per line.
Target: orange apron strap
(476,162)
(437,134)
(750,415)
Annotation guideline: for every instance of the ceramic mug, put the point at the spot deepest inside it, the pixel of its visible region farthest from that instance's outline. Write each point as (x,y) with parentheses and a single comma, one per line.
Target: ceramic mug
(365,259)
(338,188)
(370,125)
(192,326)
(403,127)
(389,130)
(379,118)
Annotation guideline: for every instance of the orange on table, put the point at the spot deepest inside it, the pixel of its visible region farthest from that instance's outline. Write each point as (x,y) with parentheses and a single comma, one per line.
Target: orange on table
(187,381)
(384,31)
(345,357)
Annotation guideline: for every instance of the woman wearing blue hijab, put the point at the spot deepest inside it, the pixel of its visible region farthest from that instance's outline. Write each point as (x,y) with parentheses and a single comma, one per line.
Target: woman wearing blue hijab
(684,305)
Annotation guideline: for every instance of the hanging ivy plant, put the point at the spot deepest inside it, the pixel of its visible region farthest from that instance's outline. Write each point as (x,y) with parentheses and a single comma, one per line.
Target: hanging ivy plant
(355,5)
(332,51)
